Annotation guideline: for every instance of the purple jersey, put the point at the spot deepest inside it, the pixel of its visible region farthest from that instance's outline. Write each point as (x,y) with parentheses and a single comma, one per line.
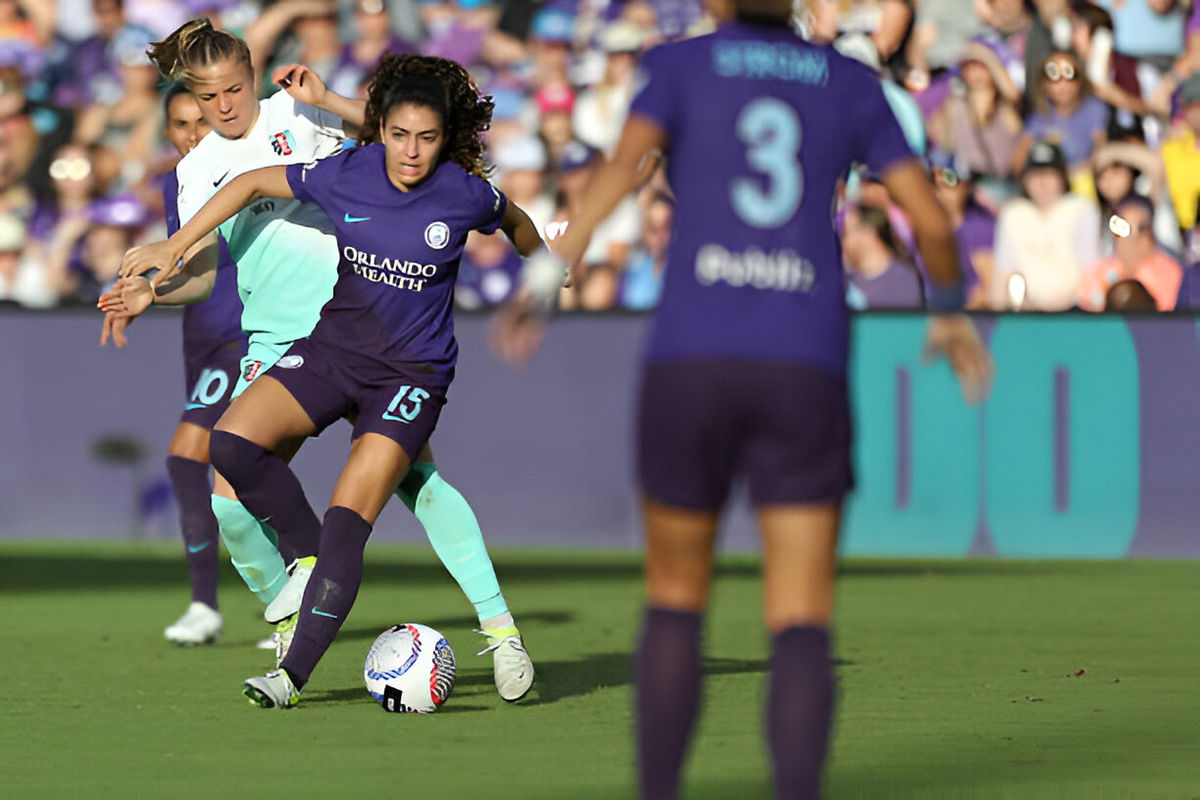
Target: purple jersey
(218,319)
(760,126)
(393,300)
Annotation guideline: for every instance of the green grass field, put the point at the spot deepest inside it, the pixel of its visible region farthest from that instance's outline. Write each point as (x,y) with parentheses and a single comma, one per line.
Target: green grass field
(958,680)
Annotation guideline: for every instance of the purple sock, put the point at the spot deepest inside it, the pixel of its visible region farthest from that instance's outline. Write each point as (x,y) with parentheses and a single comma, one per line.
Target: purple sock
(799,710)
(189,481)
(666,673)
(330,593)
(268,488)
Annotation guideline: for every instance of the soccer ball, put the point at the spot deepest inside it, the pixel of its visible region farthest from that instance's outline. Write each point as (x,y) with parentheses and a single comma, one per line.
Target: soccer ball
(410,668)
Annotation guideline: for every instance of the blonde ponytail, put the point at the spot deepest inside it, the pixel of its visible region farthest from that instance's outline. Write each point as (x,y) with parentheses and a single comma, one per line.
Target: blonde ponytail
(194,44)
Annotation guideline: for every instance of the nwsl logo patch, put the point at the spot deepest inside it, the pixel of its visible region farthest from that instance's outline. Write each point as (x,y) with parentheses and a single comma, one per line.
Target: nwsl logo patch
(251,371)
(283,143)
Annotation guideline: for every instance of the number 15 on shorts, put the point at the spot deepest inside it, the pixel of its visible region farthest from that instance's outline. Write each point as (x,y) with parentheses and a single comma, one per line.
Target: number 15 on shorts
(406,405)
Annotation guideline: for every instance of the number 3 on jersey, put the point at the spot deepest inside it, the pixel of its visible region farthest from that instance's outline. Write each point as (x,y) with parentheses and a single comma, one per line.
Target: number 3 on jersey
(406,404)
(771,131)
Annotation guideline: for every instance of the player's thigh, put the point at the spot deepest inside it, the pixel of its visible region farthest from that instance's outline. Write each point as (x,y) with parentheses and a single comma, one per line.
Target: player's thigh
(266,414)
(376,464)
(679,555)
(287,451)
(190,441)
(799,544)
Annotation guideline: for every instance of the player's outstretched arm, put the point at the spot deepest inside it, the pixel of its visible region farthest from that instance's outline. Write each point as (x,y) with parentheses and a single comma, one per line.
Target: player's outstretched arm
(307,87)
(519,324)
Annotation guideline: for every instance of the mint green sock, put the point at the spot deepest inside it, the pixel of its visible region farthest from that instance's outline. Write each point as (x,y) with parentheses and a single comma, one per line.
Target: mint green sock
(455,535)
(251,548)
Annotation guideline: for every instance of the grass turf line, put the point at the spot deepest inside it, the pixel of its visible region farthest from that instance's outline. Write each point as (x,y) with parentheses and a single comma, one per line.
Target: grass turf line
(958,680)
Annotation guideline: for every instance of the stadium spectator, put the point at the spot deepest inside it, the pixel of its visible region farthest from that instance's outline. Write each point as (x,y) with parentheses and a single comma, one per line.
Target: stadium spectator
(86,72)
(641,285)
(600,110)
(886,22)
(1066,112)
(940,35)
(879,272)
(980,123)
(1127,295)
(1148,35)
(109,229)
(489,273)
(22,278)
(974,225)
(520,163)
(18,131)
(1124,168)
(1044,238)
(1009,25)
(296,31)
(1136,255)
(550,38)
(372,36)
(1181,154)
(1092,40)
(555,102)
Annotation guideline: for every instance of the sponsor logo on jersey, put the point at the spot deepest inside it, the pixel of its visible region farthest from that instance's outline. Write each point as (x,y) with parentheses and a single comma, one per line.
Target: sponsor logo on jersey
(437,234)
(350,218)
(283,143)
(251,371)
(290,362)
(782,270)
(218,181)
(395,272)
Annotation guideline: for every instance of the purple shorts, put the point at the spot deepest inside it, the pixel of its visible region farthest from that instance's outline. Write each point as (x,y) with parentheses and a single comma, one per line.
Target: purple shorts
(330,383)
(785,427)
(211,375)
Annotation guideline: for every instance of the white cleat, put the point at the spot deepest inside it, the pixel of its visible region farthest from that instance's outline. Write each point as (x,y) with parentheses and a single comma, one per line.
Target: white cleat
(198,625)
(273,690)
(287,602)
(511,665)
(285,631)
(266,644)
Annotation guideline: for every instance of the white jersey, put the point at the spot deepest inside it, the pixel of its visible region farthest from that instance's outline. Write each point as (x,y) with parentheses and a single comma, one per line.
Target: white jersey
(285,250)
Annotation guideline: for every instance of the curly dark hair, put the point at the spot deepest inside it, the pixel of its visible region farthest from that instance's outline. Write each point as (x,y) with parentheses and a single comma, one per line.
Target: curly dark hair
(442,85)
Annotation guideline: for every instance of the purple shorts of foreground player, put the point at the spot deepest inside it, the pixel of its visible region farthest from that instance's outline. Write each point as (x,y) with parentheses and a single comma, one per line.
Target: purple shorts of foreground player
(786,427)
(211,373)
(330,383)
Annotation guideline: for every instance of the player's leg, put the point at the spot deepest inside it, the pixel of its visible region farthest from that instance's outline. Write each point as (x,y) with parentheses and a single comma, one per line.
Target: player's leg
(188,468)
(799,548)
(667,665)
(797,464)
(688,438)
(252,545)
(375,466)
(454,532)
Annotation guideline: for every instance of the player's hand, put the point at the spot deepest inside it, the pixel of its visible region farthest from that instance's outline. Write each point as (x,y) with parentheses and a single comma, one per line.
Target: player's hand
(955,337)
(128,298)
(517,330)
(114,328)
(301,83)
(163,255)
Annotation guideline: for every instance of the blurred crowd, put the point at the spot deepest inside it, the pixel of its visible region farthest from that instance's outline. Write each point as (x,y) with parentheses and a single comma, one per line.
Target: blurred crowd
(1063,136)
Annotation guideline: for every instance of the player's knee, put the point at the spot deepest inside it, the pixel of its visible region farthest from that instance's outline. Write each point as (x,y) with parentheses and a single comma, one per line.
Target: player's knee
(419,475)
(237,459)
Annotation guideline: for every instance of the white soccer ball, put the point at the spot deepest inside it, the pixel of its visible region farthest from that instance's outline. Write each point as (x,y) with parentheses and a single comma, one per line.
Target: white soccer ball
(410,668)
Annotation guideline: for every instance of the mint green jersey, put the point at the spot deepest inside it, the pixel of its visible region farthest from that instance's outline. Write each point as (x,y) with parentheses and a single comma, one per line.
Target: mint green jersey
(285,250)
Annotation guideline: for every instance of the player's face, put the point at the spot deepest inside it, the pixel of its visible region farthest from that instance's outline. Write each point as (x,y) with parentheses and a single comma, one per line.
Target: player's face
(225,92)
(185,123)
(413,137)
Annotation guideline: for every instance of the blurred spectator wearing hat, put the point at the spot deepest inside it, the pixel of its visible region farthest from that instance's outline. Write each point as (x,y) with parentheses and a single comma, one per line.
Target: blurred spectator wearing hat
(1136,256)
(1065,111)
(1128,167)
(1181,154)
(600,110)
(125,132)
(550,41)
(596,278)
(1044,238)
(520,164)
(555,103)
(974,225)
(92,269)
(22,278)
(880,273)
(979,125)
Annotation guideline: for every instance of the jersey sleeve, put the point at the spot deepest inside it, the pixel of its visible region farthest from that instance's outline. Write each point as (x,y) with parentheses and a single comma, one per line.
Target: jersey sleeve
(878,140)
(329,130)
(194,189)
(312,182)
(655,97)
(490,205)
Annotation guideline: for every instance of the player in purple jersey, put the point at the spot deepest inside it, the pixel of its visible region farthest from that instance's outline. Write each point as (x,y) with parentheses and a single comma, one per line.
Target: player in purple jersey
(745,368)
(383,351)
(213,345)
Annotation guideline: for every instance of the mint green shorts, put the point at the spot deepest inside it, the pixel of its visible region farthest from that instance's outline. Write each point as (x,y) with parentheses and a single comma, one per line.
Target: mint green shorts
(260,357)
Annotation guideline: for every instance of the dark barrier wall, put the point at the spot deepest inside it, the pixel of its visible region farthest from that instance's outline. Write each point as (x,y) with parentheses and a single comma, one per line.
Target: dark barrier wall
(1086,448)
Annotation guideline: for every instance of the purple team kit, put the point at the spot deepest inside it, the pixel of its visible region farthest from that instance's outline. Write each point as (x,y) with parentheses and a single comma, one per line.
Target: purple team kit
(384,346)
(213,340)
(754,271)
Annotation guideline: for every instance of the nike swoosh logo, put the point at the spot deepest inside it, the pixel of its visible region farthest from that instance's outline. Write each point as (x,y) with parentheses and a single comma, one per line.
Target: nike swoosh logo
(196,548)
(193,406)
(349,218)
(317,611)
(217,182)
